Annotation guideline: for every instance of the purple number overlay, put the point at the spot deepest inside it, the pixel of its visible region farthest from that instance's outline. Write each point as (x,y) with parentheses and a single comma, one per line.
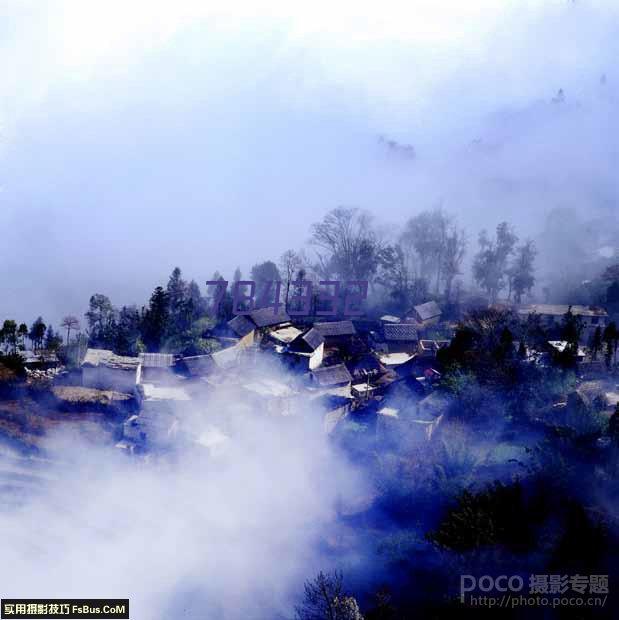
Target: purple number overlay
(301,297)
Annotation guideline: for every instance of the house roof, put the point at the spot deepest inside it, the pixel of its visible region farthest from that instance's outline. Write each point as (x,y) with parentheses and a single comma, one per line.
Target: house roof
(395,359)
(434,405)
(561,309)
(198,365)
(400,331)
(271,388)
(389,318)
(366,364)
(103,357)
(310,340)
(335,328)
(332,375)
(265,317)
(166,393)
(241,325)
(226,357)
(428,310)
(286,334)
(30,357)
(157,360)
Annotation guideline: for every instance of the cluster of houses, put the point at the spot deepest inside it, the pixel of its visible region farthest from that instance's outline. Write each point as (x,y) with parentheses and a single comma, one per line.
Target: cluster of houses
(382,372)
(378,371)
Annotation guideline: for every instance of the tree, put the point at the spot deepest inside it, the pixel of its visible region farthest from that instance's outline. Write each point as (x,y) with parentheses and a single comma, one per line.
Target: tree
(238,276)
(613,425)
(223,311)
(176,290)
(101,318)
(596,343)
(70,323)
(571,329)
(325,599)
(611,338)
(427,234)
(404,287)
(265,274)
(9,335)
(22,334)
(348,243)
(127,337)
(196,303)
(490,263)
(452,256)
(37,333)
(53,341)
(155,321)
(521,278)
(289,263)
(394,275)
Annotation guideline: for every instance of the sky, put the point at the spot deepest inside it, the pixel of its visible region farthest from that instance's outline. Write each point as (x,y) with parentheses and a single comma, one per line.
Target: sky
(137,137)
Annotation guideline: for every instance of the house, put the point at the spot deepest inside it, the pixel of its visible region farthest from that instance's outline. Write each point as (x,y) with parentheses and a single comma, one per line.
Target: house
(399,419)
(427,314)
(202,365)
(265,318)
(284,335)
(157,366)
(41,360)
(401,337)
(389,318)
(152,429)
(331,379)
(244,329)
(157,424)
(551,316)
(365,366)
(271,395)
(307,350)
(559,346)
(198,365)
(336,408)
(104,370)
(157,398)
(336,332)
(434,406)
(392,360)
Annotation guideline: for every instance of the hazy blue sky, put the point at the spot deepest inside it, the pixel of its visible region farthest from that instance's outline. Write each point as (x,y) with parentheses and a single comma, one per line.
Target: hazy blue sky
(138,136)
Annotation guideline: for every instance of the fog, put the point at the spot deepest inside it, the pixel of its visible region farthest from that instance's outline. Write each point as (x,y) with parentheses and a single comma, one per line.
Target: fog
(134,140)
(228,528)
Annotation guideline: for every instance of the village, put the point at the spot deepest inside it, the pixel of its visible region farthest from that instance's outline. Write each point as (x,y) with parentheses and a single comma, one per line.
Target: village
(384,374)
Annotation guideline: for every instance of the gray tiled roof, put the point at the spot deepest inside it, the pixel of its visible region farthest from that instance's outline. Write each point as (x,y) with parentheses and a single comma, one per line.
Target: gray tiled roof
(428,310)
(265,317)
(309,340)
(336,328)
(241,325)
(157,360)
(332,375)
(400,331)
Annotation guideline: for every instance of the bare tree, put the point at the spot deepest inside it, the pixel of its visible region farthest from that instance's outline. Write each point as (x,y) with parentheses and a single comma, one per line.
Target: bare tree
(349,244)
(453,254)
(325,599)
(426,233)
(70,323)
(289,263)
